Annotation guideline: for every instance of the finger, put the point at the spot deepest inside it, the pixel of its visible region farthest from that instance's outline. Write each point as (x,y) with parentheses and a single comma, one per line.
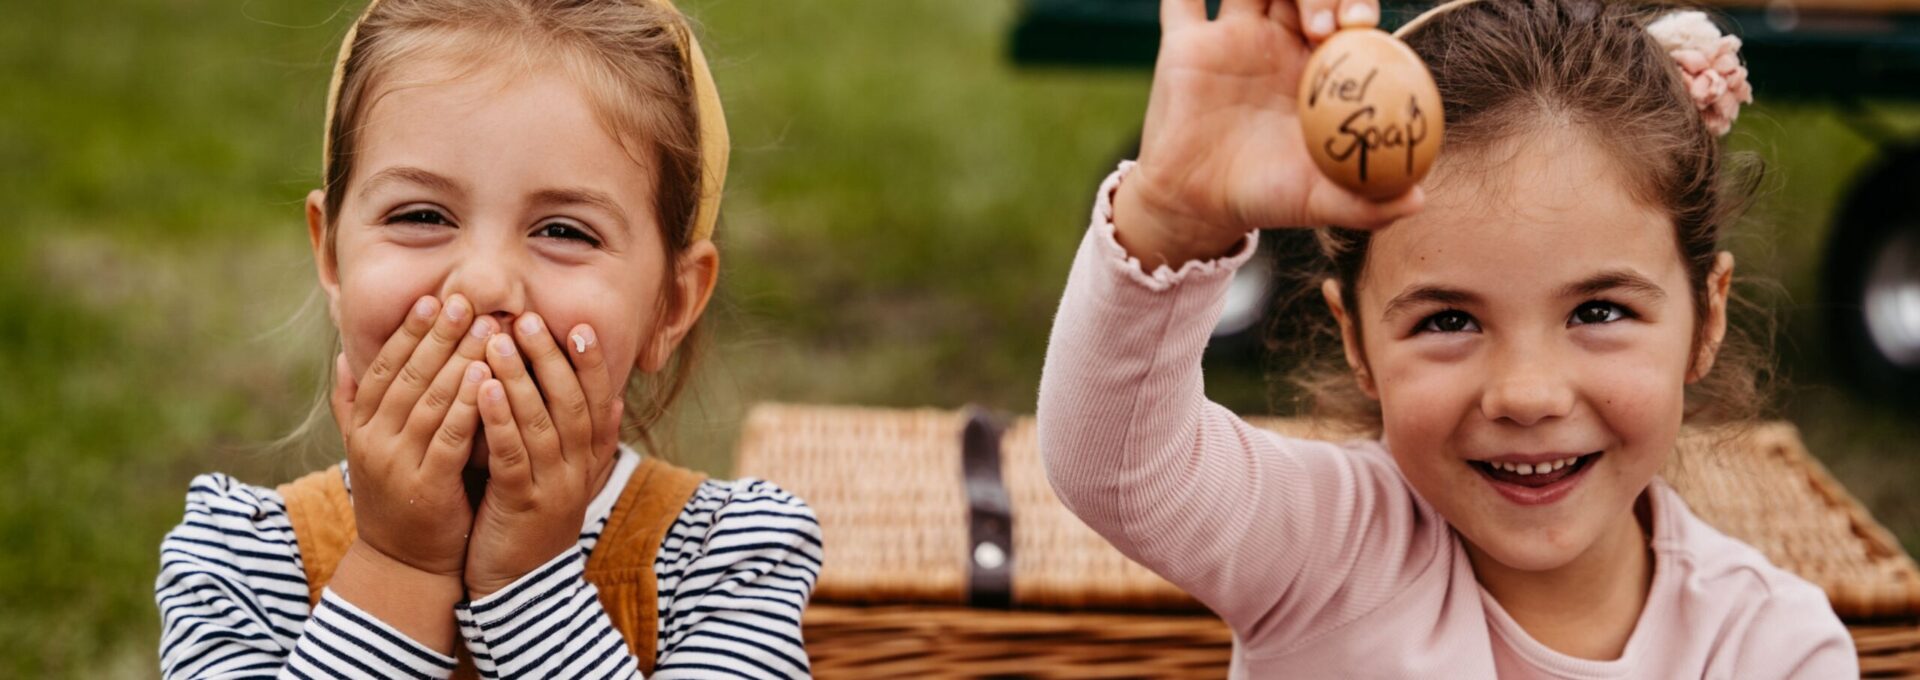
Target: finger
(453,442)
(1317,19)
(523,396)
(431,410)
(507,465)
(1359,13)
(1232,9)
(590,366)
(1329,203)
(393,355)
(342,397)
(565,402)
(1286,14)
(1176,14)
(426,362)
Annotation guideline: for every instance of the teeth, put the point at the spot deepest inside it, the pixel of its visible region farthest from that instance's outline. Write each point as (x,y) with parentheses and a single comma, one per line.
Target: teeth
(1534,468)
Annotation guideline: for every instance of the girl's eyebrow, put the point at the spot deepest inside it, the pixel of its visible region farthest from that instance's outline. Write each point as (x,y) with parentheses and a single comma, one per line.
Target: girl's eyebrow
(411,175)
(1450,297)
(581,196)
(1614,279)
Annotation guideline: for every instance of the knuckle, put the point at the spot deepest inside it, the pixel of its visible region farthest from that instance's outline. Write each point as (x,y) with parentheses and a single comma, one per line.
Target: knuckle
(412,374)
(451,437)
(577,407)
(540,424)
(381,369)
(436,400)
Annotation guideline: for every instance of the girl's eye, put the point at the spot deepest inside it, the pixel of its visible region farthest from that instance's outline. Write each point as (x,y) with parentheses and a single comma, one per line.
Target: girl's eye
(1449,321)
(419,216)
(1598,311)
(563,230)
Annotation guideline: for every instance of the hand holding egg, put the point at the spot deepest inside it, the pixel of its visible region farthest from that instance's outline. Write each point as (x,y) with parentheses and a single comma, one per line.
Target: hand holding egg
(1225,147)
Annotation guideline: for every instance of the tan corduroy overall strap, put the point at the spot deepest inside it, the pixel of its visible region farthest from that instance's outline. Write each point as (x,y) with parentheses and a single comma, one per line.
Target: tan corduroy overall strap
(621,565)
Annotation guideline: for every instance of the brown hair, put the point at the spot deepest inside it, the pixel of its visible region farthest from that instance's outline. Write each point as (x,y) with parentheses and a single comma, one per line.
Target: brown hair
(1509,67)
(629,57)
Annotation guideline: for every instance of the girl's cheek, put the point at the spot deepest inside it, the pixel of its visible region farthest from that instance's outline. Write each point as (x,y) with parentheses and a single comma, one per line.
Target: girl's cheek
(1640,400)
(1424,400)
(377,291)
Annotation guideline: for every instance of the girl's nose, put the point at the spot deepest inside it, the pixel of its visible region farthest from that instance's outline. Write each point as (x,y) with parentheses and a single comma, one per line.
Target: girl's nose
(1526,391)
(492,276)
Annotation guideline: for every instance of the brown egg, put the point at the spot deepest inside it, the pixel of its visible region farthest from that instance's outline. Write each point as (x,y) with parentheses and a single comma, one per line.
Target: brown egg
(1370,112)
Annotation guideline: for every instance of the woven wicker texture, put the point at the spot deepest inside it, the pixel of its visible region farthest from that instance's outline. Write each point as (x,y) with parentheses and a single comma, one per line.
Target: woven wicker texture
(886,485)
(1763,488)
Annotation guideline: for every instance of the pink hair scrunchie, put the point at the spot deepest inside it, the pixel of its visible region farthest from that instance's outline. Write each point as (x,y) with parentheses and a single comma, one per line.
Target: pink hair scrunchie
(1710,62)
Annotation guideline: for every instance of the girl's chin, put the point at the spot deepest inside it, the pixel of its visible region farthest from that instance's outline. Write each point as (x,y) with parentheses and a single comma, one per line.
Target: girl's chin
(1527,553)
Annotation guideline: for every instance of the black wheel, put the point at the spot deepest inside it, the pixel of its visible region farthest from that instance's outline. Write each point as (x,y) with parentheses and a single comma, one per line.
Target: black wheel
(1872,282)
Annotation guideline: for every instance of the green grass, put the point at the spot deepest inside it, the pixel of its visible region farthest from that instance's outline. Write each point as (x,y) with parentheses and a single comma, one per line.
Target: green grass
(902,210)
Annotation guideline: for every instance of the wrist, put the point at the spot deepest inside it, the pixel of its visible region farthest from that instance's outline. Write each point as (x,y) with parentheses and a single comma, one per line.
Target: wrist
(416,602)
(481,586)
(1156,234)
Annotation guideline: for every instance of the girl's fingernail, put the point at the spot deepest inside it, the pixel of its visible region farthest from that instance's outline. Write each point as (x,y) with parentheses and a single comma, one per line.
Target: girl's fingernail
(457,310)
(494,392)
(482,327)
(1322,22)
(476,372)
(502,345)
(582,339)
(529,324)
(1361,14)
(424,308)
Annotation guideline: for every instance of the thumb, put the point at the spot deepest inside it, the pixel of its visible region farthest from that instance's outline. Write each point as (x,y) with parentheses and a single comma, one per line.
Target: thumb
(1332,204)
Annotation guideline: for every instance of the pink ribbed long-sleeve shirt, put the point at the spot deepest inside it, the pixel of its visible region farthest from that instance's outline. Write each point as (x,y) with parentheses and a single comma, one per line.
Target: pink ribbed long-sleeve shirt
(1320,556)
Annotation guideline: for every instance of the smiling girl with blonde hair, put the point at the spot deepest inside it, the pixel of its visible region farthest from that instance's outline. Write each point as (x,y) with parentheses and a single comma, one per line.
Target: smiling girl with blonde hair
(1526,331)
(515,229)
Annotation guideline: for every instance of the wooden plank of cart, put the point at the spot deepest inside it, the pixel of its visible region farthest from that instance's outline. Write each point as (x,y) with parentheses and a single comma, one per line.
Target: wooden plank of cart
(948,555)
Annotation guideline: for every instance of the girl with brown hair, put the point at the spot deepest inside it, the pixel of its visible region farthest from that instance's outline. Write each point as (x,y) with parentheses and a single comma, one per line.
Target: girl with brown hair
(1524,333)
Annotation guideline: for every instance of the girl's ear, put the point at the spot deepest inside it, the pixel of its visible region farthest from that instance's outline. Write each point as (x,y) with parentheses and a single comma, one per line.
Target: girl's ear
(1719,285)
(1349,338)
(692,287)
(323,259)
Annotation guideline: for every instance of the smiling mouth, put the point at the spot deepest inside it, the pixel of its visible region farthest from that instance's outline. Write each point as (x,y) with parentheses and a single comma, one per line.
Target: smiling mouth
(1535,475)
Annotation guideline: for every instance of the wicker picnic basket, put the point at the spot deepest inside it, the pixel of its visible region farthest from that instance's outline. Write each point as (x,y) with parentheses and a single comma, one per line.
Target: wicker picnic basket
(948,556)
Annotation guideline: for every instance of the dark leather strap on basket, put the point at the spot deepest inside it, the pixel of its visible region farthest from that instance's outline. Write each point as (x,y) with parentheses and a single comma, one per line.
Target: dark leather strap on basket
(989,514)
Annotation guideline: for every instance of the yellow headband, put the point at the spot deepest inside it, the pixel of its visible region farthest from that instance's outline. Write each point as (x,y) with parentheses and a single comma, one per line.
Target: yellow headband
(714,143)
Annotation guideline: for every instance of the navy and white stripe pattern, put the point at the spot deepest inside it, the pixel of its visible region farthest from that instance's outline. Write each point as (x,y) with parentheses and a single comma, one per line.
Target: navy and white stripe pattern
(734,574)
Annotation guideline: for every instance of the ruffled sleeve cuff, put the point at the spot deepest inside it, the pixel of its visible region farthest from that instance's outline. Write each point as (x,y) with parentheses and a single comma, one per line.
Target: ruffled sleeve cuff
(1162,277)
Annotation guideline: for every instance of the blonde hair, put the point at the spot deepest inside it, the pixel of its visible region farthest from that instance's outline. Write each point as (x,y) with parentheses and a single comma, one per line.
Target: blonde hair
(635,61)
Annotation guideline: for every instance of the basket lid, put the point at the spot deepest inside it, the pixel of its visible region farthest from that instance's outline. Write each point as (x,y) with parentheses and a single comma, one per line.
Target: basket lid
(894,510)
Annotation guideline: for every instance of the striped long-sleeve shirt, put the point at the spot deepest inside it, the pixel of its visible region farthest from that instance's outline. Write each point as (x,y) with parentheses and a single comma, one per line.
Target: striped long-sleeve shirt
(734,571)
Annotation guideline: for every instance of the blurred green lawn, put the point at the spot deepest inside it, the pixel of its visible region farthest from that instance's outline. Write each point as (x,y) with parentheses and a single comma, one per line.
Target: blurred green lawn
(902,210)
